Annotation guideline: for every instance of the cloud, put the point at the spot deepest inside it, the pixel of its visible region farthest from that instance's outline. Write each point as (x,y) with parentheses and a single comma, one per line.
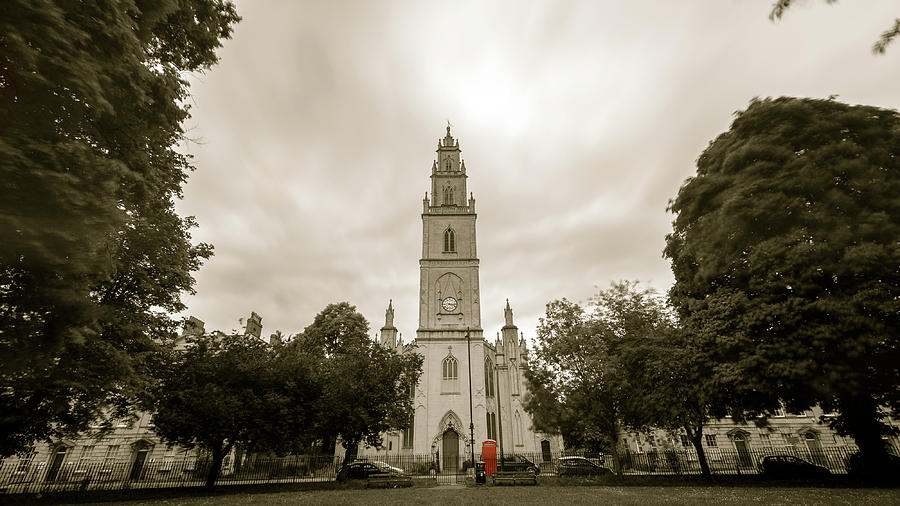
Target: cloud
(578,122)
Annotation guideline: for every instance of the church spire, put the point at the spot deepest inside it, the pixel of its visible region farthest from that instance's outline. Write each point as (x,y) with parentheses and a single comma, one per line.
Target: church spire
(389,331)
(448,139)
(508,315)
(389,314)
(509,331)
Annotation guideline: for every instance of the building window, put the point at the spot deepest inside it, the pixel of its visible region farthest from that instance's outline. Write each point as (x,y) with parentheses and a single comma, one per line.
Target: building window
(85,458)
(518,435)
(110,458)
(24,463)
(515,379)
(765,440)
(450,369)
(447,164)
(685,441)
(448,196)
(490,433)
(409,432)
(449,241)
(450,375)
(711,440)
(789,440)
(488,378)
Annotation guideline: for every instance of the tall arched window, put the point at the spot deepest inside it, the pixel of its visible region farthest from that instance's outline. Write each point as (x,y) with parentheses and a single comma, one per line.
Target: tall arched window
(518,436)
(449,241)
(447,164)
(492,426)
(450,367)
(450,375)
(515,380)
(488,377)
(409,431)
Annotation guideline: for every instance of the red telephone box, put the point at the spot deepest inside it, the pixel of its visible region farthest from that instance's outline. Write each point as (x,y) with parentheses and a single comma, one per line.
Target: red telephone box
(489,456)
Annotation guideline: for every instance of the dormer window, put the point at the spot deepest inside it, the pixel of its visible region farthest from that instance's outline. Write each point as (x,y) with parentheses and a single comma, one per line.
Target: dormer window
(449,241)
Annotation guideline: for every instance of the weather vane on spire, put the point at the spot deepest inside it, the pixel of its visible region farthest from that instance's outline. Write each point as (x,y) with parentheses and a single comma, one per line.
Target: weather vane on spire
(448,126)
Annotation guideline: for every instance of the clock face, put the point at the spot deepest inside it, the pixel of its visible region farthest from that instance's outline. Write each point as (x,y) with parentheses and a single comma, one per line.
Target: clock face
(449,304)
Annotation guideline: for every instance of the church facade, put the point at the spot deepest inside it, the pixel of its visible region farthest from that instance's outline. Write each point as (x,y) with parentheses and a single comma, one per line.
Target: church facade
(452,342)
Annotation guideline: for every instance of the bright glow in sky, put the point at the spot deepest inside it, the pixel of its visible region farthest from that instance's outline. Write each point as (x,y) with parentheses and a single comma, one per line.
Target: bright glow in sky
(578,121)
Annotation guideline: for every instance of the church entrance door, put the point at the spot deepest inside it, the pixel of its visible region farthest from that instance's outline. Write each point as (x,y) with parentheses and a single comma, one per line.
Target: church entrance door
(450,462)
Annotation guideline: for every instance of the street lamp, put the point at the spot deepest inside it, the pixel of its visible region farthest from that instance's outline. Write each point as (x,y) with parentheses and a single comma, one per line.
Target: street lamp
(499,416)
(471,422)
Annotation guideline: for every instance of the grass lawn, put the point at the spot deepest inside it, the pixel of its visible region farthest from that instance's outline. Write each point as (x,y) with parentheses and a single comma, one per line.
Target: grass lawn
(553,496)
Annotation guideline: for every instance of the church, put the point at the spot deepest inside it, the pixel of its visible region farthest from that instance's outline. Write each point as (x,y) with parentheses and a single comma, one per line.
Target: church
(451,340)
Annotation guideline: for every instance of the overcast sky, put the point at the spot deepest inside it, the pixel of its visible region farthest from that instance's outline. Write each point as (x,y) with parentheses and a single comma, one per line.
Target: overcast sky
(578,121)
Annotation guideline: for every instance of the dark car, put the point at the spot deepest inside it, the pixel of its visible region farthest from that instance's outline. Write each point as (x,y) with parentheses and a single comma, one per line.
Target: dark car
(579,466)
(518,463)
(361,470)
(788,466)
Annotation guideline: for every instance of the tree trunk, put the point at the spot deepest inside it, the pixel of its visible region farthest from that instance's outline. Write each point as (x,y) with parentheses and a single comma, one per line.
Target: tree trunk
(218,455)
(350,452)
(328,445)
(859,419)
(696,437)
(614,448)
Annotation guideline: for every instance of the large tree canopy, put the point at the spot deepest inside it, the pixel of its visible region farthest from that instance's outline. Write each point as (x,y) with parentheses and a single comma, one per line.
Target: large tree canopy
(219,391)
(93,257)
(597,370)
(785,256)
(365,387)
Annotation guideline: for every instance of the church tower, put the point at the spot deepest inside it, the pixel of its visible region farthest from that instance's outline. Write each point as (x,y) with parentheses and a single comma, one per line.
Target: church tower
(447,423)
(449,266)
(449,333)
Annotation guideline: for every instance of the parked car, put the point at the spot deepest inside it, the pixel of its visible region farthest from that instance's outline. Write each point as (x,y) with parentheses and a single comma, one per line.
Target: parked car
(518,463)
(789,466)
(362,469)
(387,468)
(579,466)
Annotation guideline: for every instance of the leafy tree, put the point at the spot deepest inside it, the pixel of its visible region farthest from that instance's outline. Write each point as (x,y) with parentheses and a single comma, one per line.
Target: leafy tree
(218,392)
(365,387)
(93,257)
(878,48)
(785,256)
(596,372)
(292,400)
(571,380)
(668,374)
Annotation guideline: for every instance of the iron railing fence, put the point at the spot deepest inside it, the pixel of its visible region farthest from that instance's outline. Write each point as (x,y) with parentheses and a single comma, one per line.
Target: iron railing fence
(684,461)
(85,475)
